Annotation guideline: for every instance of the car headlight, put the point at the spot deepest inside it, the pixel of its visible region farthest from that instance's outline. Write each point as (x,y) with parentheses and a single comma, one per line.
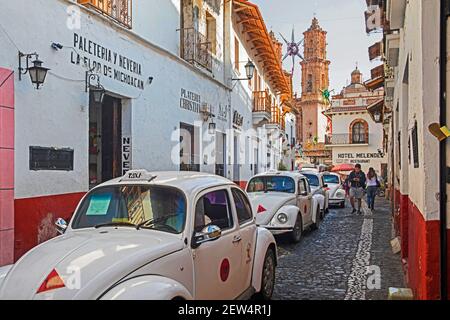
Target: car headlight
(282,218)
(340,194)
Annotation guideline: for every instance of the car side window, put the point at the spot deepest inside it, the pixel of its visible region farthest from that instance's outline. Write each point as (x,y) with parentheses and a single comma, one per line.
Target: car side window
(243,208)
(302,187)
(213,209)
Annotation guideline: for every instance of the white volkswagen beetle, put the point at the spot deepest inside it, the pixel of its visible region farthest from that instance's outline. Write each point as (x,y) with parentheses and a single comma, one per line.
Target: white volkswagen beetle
(319,188)
(164,235)
(283,203)
(336,191)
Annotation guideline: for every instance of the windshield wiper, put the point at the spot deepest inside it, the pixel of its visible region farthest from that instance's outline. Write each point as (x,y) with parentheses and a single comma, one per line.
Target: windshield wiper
(155,221)
(115,224)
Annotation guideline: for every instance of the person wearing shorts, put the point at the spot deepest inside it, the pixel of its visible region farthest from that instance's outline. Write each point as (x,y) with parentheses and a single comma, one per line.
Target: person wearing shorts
(357,180)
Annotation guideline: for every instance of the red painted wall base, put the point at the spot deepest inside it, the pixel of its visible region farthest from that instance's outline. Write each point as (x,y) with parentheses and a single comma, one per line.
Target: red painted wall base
(420,249)
(35,217)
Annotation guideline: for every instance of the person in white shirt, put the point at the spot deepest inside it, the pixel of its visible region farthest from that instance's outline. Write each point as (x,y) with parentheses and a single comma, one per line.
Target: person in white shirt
(372,188)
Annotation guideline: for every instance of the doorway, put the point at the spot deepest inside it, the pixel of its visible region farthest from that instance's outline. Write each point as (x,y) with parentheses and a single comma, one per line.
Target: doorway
(221,139)
(189,160)
(105,137)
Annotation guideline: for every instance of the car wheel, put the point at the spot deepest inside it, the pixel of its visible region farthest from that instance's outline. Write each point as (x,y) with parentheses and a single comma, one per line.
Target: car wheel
(343,204)
(267,277)
(296,234)
(316,225)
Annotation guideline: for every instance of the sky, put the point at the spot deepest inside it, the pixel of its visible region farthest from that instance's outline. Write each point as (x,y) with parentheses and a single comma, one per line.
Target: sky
(347,40)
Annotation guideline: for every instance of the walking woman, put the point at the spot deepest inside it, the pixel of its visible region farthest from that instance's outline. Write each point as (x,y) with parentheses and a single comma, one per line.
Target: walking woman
(372,188)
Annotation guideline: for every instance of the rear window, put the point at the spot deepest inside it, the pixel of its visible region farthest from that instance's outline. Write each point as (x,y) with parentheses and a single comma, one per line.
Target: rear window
(271,184)
(331,179)
(312,179)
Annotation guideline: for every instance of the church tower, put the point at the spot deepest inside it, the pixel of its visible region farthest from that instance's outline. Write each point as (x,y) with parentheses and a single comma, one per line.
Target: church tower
(315,77)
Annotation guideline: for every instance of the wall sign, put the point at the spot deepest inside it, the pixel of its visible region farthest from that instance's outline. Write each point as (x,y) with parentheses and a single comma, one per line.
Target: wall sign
(107,62)
(358,157)
(238,119)
(190,101)
(126,154)
(54,159)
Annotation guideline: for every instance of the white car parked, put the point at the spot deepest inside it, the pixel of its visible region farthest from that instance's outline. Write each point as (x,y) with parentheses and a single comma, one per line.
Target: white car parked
(335,189)
(283,203)
(319,188)
(164,235)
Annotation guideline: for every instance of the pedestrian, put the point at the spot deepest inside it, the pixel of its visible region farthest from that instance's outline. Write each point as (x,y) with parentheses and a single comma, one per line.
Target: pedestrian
(357,181)
(373,183)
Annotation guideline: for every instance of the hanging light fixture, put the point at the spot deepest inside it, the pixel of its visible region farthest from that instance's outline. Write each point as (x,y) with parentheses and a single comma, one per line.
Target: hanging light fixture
(377,116)
(37,72)
(249,72)
(97,90)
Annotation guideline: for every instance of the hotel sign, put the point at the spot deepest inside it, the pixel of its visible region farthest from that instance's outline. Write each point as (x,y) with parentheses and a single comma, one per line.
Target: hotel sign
(359,157)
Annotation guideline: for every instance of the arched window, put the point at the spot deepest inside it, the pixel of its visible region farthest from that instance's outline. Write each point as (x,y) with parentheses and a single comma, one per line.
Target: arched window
(359,132)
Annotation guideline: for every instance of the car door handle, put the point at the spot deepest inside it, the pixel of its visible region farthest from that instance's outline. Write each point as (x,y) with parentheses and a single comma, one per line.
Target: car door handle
(237,239)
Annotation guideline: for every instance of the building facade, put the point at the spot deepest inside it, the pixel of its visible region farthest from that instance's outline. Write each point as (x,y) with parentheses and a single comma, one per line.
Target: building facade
(171,101)
(356,137)
(415,55)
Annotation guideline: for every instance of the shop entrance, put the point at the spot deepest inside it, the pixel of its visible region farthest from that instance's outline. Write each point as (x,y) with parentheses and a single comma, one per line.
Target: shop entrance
(105,135)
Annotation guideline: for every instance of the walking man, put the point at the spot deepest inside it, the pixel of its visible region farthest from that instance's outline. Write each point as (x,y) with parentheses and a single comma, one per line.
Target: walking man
(357,180)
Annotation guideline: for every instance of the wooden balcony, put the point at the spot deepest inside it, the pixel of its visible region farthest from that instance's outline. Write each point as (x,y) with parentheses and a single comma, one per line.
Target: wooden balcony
(118,10)
(261,102)
(262,107)
(196,49)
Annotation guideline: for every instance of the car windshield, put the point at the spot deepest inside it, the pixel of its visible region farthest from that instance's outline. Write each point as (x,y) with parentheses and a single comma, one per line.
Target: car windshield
(313,179)
(271,184)
(331,179)
(163,208)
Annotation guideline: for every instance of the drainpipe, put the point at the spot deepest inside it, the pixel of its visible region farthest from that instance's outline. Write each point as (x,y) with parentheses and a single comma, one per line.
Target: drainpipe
(444,170)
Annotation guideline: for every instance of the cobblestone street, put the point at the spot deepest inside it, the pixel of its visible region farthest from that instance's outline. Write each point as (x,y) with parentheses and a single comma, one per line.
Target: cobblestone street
(332,263)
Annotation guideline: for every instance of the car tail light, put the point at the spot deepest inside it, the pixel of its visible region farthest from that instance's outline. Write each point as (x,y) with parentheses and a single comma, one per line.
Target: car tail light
(52,282)
(261,209)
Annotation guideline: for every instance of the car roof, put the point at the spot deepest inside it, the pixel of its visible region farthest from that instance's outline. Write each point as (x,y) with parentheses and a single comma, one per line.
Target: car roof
(292,174)
(316,173)
(189,182)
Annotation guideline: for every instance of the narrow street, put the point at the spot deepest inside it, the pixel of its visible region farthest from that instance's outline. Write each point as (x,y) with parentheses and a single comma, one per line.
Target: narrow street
(330,263)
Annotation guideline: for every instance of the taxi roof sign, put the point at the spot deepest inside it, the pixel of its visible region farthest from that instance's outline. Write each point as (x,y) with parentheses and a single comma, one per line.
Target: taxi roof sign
(138,175)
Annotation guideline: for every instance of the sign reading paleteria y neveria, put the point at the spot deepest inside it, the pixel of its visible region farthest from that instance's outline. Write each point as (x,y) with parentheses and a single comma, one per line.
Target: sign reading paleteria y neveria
(102,60)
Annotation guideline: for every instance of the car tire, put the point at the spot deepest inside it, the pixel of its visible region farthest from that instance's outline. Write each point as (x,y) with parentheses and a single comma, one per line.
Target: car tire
(342,205)
(296,234)
(316,225)
(267,277)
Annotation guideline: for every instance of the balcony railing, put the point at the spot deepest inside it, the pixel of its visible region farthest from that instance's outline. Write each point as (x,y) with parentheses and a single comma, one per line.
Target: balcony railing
(196,49)
(119,10)
(276,116)
(261,102)
(346,139)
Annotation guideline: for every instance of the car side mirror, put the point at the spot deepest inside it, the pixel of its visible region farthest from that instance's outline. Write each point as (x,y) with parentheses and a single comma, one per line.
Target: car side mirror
(208,234)
(61,226)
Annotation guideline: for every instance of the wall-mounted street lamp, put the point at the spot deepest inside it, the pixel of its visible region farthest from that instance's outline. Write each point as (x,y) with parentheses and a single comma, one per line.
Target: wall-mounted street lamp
(377,116)
(97,90)
(37,72)
(249,71)
(206,115)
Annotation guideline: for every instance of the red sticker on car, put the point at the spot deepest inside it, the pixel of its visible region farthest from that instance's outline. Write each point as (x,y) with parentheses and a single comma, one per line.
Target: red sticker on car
(225,270)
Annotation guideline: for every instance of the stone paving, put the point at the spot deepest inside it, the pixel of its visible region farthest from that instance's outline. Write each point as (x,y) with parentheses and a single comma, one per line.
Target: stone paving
(341,260)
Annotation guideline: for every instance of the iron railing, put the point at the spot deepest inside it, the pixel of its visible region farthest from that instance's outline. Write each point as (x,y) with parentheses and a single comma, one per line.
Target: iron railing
(196,49)
(119,10)
(346,139)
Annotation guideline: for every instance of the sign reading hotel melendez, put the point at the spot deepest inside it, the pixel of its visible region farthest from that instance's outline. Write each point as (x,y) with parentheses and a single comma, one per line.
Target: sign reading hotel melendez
(107,62)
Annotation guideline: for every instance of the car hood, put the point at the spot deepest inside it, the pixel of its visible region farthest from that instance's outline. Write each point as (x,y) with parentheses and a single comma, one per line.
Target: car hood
(89,262)
(333,188)
(272,202)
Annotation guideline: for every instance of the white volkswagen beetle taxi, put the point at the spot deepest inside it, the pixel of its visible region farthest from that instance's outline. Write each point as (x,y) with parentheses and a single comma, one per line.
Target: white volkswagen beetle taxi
(162,235)
(319,188)
(283,203)
(336,191)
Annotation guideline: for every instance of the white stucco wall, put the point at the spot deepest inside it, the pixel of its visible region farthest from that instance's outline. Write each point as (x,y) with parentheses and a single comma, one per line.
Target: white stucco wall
(366,155)
(419,49)
(57,115)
